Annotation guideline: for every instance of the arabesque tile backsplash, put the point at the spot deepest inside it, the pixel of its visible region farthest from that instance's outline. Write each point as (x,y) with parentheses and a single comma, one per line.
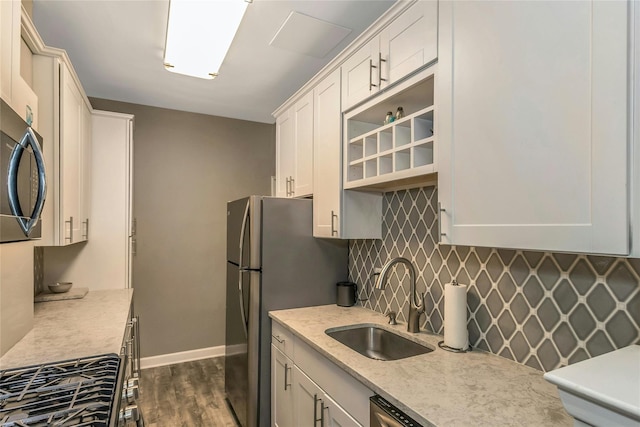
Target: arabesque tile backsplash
(540,309)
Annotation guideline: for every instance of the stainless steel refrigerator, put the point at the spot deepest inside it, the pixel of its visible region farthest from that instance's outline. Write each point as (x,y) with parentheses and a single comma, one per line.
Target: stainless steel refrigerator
(273,262)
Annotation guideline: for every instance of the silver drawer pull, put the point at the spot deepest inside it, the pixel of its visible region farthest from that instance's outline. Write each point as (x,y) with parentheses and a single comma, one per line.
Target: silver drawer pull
(277,338)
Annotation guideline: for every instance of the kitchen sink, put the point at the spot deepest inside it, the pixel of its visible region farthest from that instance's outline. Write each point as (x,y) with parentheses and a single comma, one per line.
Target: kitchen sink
(377,343)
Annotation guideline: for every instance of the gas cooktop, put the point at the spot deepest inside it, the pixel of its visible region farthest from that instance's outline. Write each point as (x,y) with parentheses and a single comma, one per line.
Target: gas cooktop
(78,392)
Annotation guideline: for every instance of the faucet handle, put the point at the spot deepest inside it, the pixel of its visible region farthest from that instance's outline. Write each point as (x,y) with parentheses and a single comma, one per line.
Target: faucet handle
(423,304)
(392,317)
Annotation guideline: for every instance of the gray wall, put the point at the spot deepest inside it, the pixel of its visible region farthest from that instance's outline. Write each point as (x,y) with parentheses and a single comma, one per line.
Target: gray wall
(540,309)
(186,167)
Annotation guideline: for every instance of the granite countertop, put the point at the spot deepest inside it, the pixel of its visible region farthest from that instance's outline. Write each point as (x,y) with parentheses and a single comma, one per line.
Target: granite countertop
(439,388)
(74,328)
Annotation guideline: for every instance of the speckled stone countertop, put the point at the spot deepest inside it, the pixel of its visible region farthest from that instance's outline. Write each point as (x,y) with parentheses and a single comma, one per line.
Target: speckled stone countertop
(74,328)
(439,388)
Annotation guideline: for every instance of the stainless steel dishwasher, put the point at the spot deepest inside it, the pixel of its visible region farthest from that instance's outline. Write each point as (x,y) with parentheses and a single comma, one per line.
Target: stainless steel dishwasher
(384,414)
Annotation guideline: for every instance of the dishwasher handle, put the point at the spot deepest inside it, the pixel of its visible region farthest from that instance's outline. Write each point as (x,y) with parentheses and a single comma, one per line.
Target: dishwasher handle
(384,414)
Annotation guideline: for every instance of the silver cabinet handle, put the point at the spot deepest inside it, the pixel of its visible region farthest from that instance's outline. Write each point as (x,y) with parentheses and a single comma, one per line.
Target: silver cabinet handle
(70,222)
(322,409)
(286,379)
(127,333)
(333,228)
(136,345)
(315,410)
(293,188)
(380,61)
(440,210)
(280,340)
(287,186)
(371,67)
(86,229)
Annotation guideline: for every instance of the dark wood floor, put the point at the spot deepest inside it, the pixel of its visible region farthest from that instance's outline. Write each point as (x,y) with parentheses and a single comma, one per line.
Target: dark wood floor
(188,394)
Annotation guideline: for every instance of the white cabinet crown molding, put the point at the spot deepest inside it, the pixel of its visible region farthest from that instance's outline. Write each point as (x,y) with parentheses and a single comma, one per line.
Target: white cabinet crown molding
(36,44)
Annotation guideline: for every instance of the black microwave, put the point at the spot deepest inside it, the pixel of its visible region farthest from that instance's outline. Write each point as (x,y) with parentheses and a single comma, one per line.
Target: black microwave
(23,184)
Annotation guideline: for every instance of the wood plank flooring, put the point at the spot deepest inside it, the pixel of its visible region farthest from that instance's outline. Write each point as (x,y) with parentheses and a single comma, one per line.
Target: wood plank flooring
(188,394)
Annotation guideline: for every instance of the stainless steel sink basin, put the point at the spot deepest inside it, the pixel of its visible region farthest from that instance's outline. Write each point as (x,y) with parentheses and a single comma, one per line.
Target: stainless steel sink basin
(377,343)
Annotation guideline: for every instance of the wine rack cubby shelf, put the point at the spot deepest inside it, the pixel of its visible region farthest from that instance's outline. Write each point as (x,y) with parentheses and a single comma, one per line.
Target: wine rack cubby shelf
(394,152)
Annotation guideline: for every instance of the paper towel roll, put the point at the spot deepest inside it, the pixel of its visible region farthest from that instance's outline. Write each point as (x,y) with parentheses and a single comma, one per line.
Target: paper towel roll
(455,316)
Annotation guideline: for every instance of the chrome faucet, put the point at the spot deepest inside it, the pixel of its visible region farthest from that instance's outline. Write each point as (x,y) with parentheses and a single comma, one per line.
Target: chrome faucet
(416,308)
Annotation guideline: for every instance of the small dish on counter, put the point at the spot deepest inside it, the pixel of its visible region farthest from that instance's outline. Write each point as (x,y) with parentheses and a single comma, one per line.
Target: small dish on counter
(60,287)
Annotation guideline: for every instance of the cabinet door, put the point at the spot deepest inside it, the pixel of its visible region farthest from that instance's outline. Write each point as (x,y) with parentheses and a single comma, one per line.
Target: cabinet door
(86,145)
(410,41)
(360,78)
(9,47)
(14,90)
(307,400)
(281,389)
(303,124)
(532,125)
(71,159)
(335,416)
(326,159)
(285,154)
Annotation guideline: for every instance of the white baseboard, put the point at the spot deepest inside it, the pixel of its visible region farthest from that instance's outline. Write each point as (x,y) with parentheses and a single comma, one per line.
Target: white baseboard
(180,357)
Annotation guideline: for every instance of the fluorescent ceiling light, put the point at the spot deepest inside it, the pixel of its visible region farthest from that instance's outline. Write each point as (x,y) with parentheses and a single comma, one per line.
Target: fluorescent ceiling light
(199,34)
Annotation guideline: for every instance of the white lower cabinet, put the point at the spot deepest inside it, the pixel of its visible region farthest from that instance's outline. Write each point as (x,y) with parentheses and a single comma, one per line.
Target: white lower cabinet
(311,391)
(335,415)
(313,407)
(307,396)
(281,389)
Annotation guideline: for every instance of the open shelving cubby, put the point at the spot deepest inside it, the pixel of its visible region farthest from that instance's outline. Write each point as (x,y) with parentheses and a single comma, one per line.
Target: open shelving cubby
(381,155)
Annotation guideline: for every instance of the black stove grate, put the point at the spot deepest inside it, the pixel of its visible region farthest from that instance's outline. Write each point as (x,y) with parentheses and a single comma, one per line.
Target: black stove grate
(78,392)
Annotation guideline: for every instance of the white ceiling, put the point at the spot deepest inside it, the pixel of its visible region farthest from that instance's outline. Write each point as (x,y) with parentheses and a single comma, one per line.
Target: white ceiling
(117,48)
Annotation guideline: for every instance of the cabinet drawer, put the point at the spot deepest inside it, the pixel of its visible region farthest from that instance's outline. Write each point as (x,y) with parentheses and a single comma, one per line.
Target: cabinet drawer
(282,339)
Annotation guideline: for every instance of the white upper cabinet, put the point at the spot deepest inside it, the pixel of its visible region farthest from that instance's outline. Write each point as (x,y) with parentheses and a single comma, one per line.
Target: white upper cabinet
(15,55)
(303,125)
(294,149)
(361,74)
(337,213)
(405,45)
(66,127)
(326,158)
(410,41)
(87,161)
(533,125)
(285,153)
(71,158)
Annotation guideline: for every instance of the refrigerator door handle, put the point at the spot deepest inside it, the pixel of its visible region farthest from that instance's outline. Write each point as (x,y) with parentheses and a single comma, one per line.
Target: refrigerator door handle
(241,301)
(243,269)
(243,227)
